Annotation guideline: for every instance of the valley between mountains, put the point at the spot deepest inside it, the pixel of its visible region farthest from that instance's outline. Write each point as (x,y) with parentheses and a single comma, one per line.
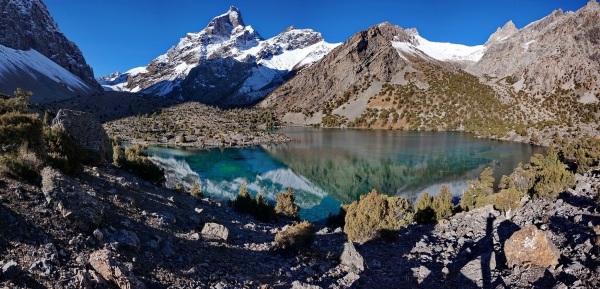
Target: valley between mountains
(83,203)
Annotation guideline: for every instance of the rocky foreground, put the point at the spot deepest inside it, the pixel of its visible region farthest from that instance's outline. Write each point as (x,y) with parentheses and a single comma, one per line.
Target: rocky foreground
(109,229)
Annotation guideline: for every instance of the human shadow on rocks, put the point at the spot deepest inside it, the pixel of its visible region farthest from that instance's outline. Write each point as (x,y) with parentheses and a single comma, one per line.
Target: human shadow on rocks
(463,271)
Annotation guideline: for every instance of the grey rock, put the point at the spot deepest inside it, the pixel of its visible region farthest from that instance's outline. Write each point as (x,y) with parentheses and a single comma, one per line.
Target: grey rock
(421,273)
(299,285)
(98,235)
(126,240)
(87,133)
(351,259)
(10,270)
(114,271)
(71,200)
(215,231)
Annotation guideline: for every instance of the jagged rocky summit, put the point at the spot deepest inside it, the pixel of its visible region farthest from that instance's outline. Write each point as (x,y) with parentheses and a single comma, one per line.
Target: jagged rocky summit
(36,55)
(227,63)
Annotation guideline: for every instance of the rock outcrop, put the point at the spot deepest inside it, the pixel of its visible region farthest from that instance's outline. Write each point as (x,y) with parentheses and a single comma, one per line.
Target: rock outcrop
(351,259)
(87,133)
(26,24)
(215,231)
(71,200)
(530,247)
(559,51)
(114,271)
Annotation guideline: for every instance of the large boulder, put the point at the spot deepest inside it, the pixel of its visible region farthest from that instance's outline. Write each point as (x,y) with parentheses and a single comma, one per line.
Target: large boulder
(530,246)
(351,259)
(87,133)
(71,200)
(112,270)
(215,231)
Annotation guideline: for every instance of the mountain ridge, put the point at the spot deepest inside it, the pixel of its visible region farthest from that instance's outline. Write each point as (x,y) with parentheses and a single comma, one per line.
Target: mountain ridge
(226,63)
(26,26)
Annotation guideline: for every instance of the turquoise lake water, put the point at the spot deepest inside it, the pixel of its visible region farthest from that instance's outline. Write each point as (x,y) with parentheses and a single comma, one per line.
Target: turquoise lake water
(327,167)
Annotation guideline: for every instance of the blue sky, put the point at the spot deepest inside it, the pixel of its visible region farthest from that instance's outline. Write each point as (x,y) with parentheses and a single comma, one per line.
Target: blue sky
(116,35)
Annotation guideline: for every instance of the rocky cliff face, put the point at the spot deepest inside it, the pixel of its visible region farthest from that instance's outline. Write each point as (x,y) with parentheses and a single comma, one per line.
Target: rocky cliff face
(26,24)
(227,63)
(560,51)
(392,78)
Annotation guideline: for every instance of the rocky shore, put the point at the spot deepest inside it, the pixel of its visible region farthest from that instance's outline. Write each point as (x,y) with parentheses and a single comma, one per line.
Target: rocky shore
(109,229)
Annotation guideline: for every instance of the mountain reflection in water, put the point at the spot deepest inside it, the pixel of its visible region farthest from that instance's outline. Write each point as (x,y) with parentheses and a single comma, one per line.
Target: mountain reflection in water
(326,167)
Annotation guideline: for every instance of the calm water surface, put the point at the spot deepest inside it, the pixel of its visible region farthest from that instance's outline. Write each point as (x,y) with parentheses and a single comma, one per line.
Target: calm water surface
(327,167)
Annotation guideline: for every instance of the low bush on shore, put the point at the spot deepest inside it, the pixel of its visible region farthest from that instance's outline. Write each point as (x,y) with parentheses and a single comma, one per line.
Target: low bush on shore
(375,215)
(296,238)
(134,160)
(257,207)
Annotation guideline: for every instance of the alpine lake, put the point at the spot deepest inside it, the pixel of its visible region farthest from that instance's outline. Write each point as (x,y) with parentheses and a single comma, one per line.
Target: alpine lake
(328,167)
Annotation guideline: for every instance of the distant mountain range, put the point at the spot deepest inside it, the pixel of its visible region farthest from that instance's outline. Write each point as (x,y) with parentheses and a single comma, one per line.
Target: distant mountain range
(546,74)
(227,63)
(36,56)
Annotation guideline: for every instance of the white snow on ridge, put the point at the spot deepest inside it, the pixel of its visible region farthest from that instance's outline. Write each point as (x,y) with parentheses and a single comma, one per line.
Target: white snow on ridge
(442,51)
(450,51)
(34,63)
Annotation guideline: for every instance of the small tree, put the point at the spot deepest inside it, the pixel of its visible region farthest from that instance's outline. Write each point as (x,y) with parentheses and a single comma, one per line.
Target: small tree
(196,192)
(374,215)
(285,204)
(424,213)
(442,203)
(478,191)
(507,199)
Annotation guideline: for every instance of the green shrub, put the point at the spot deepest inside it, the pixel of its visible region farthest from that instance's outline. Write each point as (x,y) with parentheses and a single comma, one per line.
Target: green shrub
(196,192)
(62,152)
(23,164)
(552,177)
(295,238)
(424,213)
(442,204)
(507,199)
(179,187)
(585,153)
(476,195)
(522,179)
(135,161)
(375,214)
(285,204)
(17,128)
(259,208)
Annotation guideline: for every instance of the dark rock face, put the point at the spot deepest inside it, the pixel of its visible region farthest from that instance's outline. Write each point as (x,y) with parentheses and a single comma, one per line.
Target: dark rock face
(71,200)
(87,132)
(26,24)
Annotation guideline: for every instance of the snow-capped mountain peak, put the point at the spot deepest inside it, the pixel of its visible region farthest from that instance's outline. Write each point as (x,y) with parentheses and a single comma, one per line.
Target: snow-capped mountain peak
(224,24)
(229,53)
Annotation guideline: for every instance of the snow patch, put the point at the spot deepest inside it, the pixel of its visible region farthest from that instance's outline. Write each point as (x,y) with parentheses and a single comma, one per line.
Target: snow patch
(34,63)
